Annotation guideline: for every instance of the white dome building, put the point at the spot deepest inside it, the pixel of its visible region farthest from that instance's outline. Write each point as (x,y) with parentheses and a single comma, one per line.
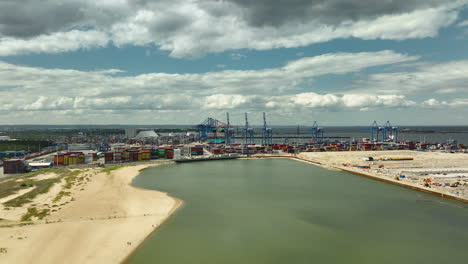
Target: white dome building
(147,134)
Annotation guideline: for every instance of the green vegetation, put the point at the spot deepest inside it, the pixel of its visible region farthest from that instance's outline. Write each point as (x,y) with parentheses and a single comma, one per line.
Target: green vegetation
(3,250)
(42,186)
(17,145)
(60,195)
(9,187)
(13,184)
(70,178)
(44,133)
(111,168)
(33,212)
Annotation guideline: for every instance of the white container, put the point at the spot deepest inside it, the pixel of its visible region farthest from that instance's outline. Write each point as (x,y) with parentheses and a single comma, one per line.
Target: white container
(88,158)
(177,153)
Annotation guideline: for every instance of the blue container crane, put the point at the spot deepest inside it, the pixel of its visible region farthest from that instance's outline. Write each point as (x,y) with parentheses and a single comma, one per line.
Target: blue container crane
(228,132)
(376,132)
(208,126)
(248,132)
(267,133)
(391,132)
(317,132)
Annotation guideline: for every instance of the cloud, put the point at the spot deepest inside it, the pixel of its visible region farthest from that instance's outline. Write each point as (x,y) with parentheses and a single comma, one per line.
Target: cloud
(100,95)
(454,103)
(336,102)
(225,101)
(443,78)
(229,89)
(54,43)
(277,12)
(463,23)
(330,63)
(29,18)
(194,28)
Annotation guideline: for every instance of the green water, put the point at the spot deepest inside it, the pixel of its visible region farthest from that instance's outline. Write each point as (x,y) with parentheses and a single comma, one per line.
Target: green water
(284,211)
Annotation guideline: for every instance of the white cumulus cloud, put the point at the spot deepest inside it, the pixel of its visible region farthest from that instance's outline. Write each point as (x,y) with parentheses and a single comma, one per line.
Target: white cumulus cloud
(195,28)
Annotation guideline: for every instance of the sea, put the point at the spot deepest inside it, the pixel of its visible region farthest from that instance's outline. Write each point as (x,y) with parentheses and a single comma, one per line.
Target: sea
(284,211)
(428,134)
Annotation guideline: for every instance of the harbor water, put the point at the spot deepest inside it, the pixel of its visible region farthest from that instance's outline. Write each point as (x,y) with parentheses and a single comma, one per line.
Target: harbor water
(285,211)
(429,134)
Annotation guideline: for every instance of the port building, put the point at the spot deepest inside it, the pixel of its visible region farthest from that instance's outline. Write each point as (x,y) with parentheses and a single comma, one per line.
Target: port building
(147,134)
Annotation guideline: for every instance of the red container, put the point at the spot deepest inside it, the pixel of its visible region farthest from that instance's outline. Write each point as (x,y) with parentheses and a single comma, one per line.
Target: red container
(169,153)
(14,166)
(108,157)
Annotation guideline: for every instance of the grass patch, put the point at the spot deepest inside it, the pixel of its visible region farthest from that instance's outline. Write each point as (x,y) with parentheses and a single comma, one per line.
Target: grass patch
(70,178)
(42,186)
(33,212)
(33,174)
(11,186)
(60,195)
(27,184)
(111,168)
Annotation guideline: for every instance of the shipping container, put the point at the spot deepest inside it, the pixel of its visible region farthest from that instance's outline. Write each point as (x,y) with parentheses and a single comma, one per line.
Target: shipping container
(15,166)
(65,159)
(170,154)
(58,159)
(108,157)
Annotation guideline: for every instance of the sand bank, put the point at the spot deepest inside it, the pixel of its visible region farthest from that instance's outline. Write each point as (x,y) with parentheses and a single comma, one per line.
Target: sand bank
(425,165)
(102,220)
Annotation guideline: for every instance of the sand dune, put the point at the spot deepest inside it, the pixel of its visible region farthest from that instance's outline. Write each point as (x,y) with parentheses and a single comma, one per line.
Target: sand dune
(103,221)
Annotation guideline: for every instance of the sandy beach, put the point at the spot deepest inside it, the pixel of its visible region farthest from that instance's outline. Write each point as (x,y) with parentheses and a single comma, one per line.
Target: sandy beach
(96,216)
(100,219)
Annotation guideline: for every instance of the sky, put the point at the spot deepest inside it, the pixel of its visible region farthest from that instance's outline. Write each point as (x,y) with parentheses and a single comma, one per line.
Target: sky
(337,62)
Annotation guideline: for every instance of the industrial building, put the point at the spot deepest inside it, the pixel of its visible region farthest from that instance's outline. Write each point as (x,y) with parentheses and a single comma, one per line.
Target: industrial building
(147,134)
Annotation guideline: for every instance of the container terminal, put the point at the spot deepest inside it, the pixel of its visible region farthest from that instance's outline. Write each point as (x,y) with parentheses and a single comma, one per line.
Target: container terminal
(213,139)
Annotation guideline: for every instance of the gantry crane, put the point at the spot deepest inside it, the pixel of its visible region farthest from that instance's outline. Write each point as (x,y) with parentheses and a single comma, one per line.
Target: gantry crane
(248,132)
(267,133)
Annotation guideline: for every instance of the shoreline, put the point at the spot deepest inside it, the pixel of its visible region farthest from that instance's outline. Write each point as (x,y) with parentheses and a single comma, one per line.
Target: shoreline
(178,205)
(394,182)
(373,176)
(106,221)
(110,211)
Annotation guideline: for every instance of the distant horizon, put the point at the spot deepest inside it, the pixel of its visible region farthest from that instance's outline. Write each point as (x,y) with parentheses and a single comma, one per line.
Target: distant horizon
(188,125)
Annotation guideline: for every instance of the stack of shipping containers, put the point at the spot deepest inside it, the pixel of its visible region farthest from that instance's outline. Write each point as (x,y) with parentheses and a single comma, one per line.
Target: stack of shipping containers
(196,150)
(73,158)
(161,153)
(15,166)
